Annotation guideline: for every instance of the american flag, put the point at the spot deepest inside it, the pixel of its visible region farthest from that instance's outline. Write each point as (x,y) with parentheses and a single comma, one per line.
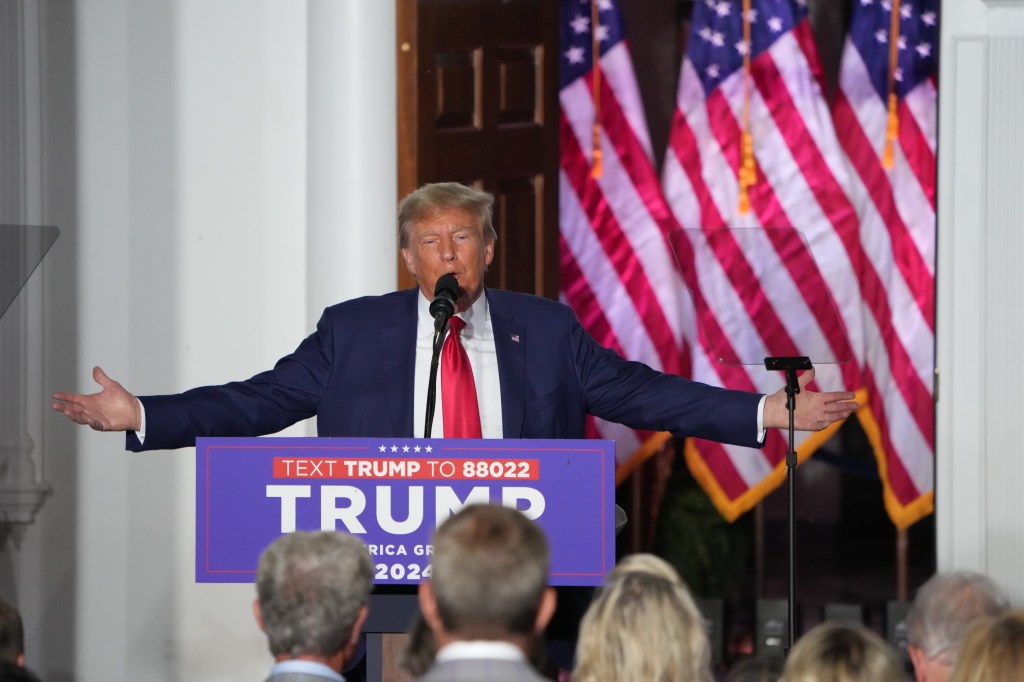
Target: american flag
(753,146)
(887,88)
(617,271)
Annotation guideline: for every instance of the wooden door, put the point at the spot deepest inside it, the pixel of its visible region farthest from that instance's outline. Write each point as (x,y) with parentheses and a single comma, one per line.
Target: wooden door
(478,103)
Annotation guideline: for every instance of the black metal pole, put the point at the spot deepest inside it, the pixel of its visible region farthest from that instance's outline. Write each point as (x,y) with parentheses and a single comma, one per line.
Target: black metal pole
(439,335)
(790,365)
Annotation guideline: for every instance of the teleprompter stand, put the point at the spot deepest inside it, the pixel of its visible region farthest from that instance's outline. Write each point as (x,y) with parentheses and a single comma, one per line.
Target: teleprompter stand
(760,297)
(790,365)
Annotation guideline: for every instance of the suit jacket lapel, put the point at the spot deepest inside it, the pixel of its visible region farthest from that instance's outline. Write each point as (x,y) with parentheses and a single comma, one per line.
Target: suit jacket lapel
(510,342)
(398,363)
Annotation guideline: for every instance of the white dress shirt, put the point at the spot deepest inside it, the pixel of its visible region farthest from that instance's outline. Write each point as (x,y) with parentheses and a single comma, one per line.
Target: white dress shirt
(478,340)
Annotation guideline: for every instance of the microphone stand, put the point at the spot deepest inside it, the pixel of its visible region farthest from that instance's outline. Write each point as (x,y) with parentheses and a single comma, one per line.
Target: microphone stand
(790,365)
(440,330)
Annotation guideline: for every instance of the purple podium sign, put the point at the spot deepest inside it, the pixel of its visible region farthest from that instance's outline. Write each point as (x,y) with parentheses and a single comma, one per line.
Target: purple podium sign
(392,493)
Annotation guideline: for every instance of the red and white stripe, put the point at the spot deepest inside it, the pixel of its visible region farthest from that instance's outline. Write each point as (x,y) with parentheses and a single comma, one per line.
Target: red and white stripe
(897,235)
(617,267)
(801,184)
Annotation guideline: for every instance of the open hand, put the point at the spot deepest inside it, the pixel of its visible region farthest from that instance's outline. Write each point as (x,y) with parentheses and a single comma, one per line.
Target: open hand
(112,409)
(814,411)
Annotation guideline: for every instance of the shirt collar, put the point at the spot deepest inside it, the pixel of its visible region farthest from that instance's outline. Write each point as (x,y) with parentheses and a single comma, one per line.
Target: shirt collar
(297,665)
(475,649)
(476,318)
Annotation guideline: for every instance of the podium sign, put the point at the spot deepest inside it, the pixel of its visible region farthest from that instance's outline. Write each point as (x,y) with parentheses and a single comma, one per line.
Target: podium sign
(392,493)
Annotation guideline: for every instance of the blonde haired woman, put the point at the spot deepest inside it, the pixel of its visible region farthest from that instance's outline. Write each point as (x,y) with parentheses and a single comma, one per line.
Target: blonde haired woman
(643,626)
(832,652)
(993,650)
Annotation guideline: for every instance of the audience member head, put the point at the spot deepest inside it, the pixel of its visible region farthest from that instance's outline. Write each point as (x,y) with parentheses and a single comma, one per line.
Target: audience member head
(12,634)
(834,652)
(643,625)
(940,616)
(420,649)
(757,669)
(312,590)
(993,650)
(488,578)
(436,197)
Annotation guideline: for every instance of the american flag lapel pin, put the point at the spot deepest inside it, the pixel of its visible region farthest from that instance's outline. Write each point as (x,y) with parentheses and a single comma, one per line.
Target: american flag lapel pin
(515,338)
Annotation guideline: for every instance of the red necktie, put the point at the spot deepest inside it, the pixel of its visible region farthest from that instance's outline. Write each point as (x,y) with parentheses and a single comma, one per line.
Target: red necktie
(458,390)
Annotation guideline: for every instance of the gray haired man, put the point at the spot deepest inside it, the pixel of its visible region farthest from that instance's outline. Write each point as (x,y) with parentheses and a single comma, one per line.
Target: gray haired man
(312,590)
(487,599)
(943,610)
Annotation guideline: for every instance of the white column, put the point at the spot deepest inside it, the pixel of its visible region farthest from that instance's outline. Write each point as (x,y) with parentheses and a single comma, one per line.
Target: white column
(980,473)
(352,176)
(22,489)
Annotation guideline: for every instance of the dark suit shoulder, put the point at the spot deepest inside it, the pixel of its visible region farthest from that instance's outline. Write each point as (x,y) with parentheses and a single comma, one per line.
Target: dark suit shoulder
(512,304)
(373,307)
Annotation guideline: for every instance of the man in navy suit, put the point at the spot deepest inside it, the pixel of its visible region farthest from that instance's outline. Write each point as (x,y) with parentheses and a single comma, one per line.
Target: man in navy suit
(364,371)
(312,590)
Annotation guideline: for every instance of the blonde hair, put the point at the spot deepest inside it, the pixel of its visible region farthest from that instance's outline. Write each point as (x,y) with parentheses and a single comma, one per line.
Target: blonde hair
(643,626)
(993,650)
(833,652)
(432,198)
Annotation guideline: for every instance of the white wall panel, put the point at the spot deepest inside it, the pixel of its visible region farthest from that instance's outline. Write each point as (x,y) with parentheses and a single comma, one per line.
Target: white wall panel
(980,284)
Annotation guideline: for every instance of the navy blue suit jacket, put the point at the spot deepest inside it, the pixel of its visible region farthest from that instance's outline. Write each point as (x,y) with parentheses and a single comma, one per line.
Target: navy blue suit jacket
(355,373)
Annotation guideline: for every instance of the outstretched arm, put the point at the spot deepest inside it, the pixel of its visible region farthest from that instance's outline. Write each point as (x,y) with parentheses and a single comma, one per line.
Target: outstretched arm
(112,409)
(814,411)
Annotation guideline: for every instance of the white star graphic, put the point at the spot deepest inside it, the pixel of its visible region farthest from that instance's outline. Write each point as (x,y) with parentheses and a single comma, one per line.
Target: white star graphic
(717,39)
(712,70)
(705,32)
(751,16)
(906,11)
(901,42)
(928,18)
(394,448)
(924,49)
(742,47)
(383,449)
(898,74)
(416,449)
(723,9)
(775,24)
(405,448)
(580,24)
(865,3)
(575,55)
(886,5)
(604,5)
(882,36)
(602,33)
(429,448)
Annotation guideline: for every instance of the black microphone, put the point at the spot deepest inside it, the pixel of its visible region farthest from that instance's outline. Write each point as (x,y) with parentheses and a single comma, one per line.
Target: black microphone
(443,306)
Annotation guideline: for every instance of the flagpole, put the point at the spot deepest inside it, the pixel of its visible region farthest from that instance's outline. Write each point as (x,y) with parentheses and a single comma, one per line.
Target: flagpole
(902,542)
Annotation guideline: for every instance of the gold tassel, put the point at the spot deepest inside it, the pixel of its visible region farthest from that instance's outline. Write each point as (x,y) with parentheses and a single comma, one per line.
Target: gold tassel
(892,128)
(595,53)
(747,173)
